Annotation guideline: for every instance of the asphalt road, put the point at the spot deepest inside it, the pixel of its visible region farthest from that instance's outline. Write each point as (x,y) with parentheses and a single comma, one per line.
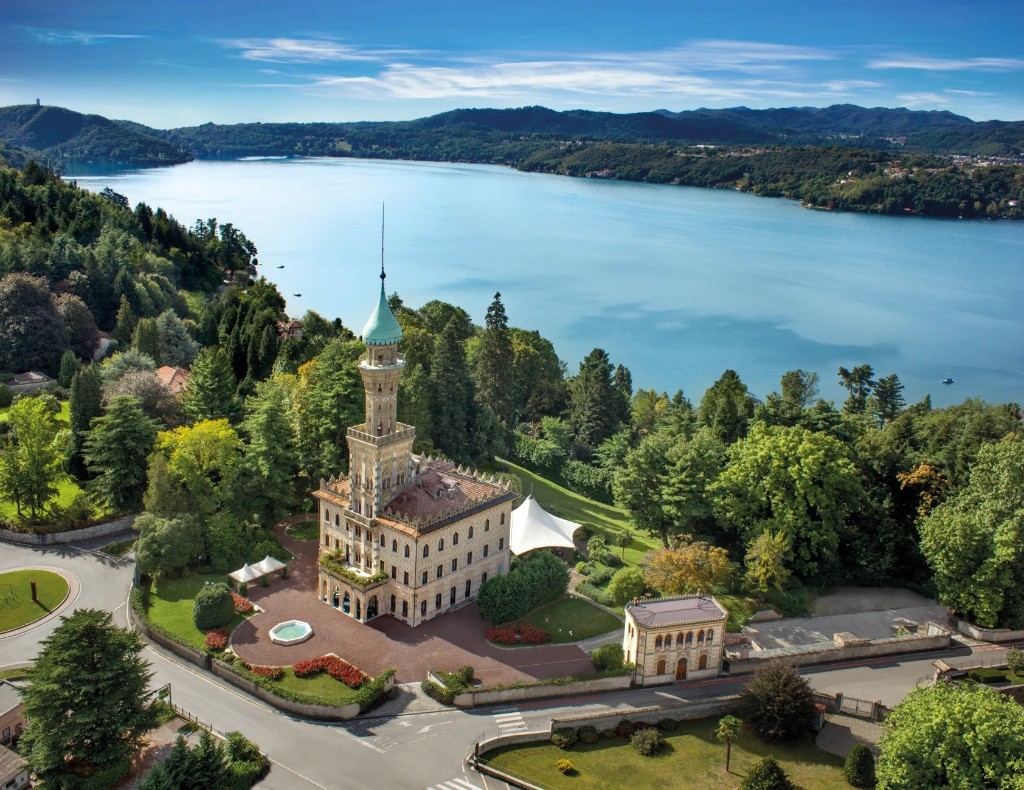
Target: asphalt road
(415,751)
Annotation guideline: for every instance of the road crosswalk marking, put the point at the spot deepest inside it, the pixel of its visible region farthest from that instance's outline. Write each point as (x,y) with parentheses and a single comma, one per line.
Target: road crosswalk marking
(458,783)
(509,720)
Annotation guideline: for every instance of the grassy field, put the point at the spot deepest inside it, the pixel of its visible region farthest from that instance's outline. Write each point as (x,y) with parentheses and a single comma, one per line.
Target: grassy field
(321,689)
(304,530)
(691,758)
(170,607)
(570,619)
(16,605)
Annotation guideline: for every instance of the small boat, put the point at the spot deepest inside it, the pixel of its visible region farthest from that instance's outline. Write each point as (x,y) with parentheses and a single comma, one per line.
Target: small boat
(281,266)
(947,380)
(296,294)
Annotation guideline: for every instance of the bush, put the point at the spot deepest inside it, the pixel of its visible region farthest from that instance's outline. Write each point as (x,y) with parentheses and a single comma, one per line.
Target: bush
(987,675)
(1015,661)
(517,634)
(243,589)
(270,673)
(668,725)
(566,767)
(216,639)
(584,568)
(627,584)
(538,579)
(766,774)
(647,741)
(608,657)
(594,593)
(625,728)
(860,766)
(6,396)
(777,703)
(609,733)
(445,696)
(599,576)
(213,607)
(465,675)
(589,734)
(611,559)
(244,774)
(564,738)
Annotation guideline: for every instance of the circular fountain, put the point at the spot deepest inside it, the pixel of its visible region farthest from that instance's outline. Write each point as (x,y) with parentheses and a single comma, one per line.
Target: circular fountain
(290,632)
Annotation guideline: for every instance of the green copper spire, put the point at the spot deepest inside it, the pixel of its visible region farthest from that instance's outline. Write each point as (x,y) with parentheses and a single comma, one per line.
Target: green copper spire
(383,328)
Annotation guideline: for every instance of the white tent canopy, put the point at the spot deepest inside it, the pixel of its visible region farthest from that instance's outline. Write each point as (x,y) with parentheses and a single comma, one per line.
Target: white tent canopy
(247,572)
(534,528)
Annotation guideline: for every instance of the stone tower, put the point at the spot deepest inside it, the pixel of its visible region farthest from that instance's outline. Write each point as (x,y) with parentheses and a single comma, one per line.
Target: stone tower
(380,449)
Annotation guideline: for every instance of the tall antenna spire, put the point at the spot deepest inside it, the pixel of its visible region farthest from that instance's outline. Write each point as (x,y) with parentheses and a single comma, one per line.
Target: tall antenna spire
(382,275)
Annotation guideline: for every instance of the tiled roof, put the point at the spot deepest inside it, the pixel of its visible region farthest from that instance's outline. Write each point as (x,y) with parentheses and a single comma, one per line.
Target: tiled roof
(10,765)
(683,610)
(9,698)
(31,377)
(173,379)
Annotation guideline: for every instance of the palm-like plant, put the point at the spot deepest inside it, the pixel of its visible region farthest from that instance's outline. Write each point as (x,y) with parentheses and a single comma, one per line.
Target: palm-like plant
(728,728)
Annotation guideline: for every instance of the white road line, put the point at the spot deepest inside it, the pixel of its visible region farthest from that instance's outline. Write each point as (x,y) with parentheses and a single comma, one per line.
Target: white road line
(515,715)
(462,783)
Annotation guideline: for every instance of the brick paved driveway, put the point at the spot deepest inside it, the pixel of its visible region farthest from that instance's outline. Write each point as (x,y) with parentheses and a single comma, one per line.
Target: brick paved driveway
(447,642)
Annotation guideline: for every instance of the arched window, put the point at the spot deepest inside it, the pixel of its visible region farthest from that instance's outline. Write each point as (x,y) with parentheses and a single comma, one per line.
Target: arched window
(487,525)
(710,637)
(700,637)
(440,545)
(327,514)
(337,520)
(470,533)
(501,543)
(661,667)
(423,607)
(689,638)
(407,551)
(679,639)
(502,518)
(426,550)
(437,601)
(702,662)
(455,539)
(657,643)
(405,608)
(668,641)
(382,541)
(394,546)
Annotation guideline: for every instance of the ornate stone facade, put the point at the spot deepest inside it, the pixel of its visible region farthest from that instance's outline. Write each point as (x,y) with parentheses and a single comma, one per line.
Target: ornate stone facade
(403,534)
(679,638)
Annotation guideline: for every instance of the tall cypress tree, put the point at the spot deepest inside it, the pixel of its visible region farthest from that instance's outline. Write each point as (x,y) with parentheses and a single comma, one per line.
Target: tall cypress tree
(594,407)
(116,449)
(210,391)
(495,387)
(452,388)
(85,403)
(146,339)
(270,456)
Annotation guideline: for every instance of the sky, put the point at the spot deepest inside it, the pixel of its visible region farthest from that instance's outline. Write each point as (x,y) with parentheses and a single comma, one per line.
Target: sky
(182,62)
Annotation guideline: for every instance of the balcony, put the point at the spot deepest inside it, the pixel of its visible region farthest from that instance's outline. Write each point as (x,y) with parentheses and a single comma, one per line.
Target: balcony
(403,433)
(370,364)
(335,564)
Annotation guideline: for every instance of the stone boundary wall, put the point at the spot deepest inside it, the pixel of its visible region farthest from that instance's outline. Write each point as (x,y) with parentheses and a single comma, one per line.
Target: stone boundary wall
(682,711)
(471,699)
(193,656)
(71,536)
(489,745)
(935,638)
(306,710)
(988,634)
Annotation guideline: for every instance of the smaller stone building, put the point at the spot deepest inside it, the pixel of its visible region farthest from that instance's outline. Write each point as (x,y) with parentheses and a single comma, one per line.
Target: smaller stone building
(12,717)
(678,638)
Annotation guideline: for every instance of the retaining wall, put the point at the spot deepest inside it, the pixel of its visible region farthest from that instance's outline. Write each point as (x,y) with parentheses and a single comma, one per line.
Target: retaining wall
(988,634)
(683,711)
(71,536)
(935,638)
(193,656)
(471,699)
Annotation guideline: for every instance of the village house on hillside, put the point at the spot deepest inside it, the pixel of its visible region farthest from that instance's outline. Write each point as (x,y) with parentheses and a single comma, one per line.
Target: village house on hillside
(173,379)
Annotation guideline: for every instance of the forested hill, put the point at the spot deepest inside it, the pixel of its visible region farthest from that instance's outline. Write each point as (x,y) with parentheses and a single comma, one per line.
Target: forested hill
(66,135)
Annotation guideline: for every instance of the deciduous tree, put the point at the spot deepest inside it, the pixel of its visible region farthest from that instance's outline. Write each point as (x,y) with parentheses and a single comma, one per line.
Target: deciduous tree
(777,703)
(31,456)
(688,568)
(766,561)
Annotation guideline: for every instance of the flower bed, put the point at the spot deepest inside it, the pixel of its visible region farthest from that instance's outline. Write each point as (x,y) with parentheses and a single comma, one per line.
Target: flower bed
(217,639)
(242,605)
(518,634)
(337,668)
(270,673)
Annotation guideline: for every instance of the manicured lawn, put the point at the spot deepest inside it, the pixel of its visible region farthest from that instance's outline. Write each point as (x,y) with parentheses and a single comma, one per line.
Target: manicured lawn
(319,689)
(170,607)
(16,673)
(604,520)
(304,530)
(16,605)
(691,758)
(67,490)
(571,619)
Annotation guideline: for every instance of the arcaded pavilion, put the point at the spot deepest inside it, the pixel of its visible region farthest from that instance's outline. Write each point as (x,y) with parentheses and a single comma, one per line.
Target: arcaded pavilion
(677,638)
(403,534)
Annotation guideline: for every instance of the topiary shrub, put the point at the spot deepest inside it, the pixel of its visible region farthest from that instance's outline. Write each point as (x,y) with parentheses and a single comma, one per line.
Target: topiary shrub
(859,767)
(1015,661)
(565,767)
(766,774)
(589,734)
(647,741)
(608,657)
(213,607)
(564,738)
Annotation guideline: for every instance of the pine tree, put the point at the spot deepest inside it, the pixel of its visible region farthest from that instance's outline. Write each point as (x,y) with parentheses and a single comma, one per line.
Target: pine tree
(124,326)
(146,339)
(271,459)
(210,391)
(452,388)
(116,449)
(69,366)
(86,403)
(86,701)
(415,401)
(495,387)
(594,408)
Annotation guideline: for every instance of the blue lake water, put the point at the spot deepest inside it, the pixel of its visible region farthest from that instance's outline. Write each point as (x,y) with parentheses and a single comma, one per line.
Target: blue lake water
(676,283)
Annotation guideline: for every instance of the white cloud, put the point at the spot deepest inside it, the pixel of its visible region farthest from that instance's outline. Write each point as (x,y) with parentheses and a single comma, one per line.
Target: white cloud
(925,98)
(305,50)
(58,37)
(927,63)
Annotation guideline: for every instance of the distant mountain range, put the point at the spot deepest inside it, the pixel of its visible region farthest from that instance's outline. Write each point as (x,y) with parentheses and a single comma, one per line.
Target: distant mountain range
(505,136)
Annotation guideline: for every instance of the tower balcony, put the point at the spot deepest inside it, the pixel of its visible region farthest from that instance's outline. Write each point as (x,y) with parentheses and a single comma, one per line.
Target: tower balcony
(368,363)
(403,433)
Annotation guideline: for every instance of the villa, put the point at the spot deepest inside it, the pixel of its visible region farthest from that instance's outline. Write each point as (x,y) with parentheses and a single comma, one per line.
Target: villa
(403,534)
(677,638)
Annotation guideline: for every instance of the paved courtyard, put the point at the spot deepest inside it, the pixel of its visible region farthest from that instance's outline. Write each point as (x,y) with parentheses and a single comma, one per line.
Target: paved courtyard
(447,642)
(871,613)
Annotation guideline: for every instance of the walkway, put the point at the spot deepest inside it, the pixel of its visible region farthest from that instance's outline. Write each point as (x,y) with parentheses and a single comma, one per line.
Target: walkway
(446,642)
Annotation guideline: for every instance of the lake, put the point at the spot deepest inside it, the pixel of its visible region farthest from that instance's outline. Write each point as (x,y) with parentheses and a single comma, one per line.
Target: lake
(676,283)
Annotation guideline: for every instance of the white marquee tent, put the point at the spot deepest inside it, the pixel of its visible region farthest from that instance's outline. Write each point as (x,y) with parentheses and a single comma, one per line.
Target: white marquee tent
(534,528)
(248,573)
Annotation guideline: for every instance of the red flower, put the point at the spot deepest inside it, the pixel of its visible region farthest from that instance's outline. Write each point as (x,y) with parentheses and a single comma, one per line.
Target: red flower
(337,668)
(518,634)
(242,605)
(216,639)
(270,673)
